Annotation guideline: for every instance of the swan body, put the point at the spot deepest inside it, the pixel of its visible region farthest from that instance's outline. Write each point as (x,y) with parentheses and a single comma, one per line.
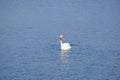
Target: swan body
(64,46)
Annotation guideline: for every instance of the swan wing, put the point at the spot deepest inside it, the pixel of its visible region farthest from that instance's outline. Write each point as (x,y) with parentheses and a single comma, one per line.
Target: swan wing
(66,46)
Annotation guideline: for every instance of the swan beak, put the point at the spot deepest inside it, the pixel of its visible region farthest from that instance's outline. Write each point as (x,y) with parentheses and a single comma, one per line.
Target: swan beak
(62,38)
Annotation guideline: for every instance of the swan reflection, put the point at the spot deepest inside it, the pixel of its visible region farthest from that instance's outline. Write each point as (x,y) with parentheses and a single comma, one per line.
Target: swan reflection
(63,54)
(64,60)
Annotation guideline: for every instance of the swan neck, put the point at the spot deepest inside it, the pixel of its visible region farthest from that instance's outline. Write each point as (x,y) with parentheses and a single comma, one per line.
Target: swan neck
(61,42)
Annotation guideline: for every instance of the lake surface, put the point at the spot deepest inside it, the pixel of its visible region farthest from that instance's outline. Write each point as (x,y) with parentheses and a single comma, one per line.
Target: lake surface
(29,39)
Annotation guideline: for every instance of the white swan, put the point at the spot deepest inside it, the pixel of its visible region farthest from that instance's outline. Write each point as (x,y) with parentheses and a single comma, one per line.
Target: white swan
(64,46)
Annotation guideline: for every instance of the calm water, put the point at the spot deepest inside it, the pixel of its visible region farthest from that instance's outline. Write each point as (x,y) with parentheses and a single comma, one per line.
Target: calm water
(29,39)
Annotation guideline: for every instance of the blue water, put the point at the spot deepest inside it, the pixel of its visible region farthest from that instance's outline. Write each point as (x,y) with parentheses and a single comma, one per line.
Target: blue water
(29,39)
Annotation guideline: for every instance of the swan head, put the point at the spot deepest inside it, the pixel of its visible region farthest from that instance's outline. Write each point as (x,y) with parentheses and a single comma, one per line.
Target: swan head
(61,37)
